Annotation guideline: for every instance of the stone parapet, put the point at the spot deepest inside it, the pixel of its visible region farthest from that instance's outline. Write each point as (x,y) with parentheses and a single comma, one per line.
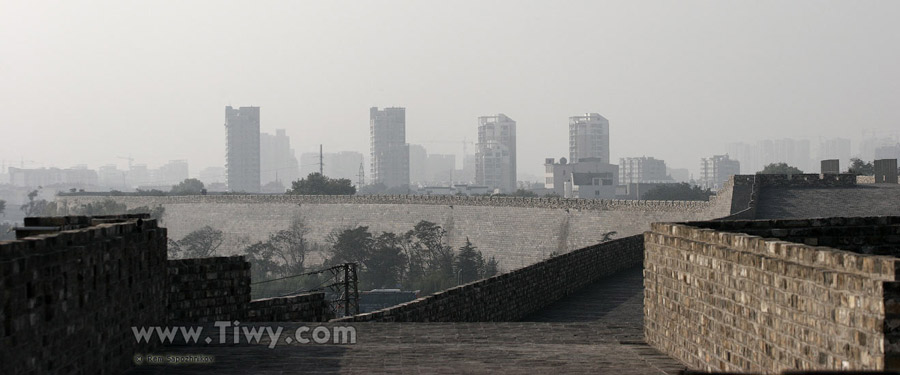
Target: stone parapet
(70,298)
(309,307)
(514,295)
(720,299)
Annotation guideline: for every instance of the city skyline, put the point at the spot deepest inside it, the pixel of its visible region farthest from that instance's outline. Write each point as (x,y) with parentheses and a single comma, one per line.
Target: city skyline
(677,81)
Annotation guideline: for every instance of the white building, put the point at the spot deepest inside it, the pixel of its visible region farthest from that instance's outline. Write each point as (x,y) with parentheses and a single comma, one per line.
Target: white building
(590,178)
(588,137)
(496,156)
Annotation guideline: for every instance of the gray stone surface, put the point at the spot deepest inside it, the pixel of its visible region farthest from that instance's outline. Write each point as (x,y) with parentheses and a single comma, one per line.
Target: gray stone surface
(861,200)
(516,231)
(597,330)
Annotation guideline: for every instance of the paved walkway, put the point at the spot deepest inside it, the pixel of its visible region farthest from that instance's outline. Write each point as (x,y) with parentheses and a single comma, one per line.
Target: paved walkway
(595,331)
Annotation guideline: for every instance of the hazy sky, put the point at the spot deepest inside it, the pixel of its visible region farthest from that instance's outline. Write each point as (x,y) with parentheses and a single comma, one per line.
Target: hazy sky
(84,82)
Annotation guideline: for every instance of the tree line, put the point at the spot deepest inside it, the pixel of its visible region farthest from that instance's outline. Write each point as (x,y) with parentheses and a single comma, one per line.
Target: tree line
(418,259)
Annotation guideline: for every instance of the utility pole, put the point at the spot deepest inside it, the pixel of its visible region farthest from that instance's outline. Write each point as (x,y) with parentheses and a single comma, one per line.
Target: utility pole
(362,176)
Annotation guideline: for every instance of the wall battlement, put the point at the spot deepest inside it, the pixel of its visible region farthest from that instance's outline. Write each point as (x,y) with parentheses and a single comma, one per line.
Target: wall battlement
(763,296)
(542,225)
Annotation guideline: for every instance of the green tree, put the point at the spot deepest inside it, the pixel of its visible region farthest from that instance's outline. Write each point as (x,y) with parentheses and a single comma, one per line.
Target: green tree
(491,268)
(386,264)
(469,263)
(200,243)
(780,168)
(290,247)
(190,186)
(524,193)
(38,207)
(6,232)
(352,245)
(859,167)
(262,263)
(678,192)
(317,184)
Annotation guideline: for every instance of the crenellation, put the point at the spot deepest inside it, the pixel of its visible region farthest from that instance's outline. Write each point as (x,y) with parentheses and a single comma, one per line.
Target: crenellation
(758,296)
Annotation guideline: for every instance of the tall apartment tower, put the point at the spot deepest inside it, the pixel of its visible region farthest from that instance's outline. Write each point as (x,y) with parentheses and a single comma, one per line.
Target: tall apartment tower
(242,172)
(496,156)
(390,152)
(588,137)
(277,160)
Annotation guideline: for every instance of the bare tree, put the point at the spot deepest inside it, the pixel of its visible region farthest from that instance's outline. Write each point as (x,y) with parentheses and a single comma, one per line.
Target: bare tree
(200,243)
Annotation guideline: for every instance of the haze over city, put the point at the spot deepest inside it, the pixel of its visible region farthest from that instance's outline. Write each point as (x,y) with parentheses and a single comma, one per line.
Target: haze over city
(84,84)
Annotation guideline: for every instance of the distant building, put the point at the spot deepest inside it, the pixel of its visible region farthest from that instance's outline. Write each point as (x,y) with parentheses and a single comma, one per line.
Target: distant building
(642,169)
(242,155)
(466,175)
(111,177)
(171,173)
(679,174)
(869,146)
(836,148)
(755,157)
(389,150)
(588,137)
(590,178)
(496,157)
(28,177)
(716,170)
(277,160)
(417,164)
(439,168)
(888,152)
(211,175)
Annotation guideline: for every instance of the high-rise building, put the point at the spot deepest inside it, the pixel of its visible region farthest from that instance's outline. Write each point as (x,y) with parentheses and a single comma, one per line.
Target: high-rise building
(642,169)
(836,148)
(417,164)
(588,137)
(242,157)
(277,160)
(439,169)
(716,170)
(496,157)
(755,157)
(390,152)
(171,173)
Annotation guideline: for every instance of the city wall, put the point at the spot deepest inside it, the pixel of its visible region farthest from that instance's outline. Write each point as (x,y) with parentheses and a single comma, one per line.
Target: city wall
(514,295)
(735,296)
(540,226)
(218,289)
(69,299)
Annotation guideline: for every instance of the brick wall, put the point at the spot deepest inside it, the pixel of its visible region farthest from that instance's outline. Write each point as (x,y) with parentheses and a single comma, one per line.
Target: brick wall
(728,301)
(218,289)
(309,307)
(514,295)
(208,289)
(69,299)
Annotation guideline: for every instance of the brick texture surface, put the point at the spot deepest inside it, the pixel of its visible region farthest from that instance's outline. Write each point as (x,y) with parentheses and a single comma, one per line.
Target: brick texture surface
(69,299)
(717,298)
